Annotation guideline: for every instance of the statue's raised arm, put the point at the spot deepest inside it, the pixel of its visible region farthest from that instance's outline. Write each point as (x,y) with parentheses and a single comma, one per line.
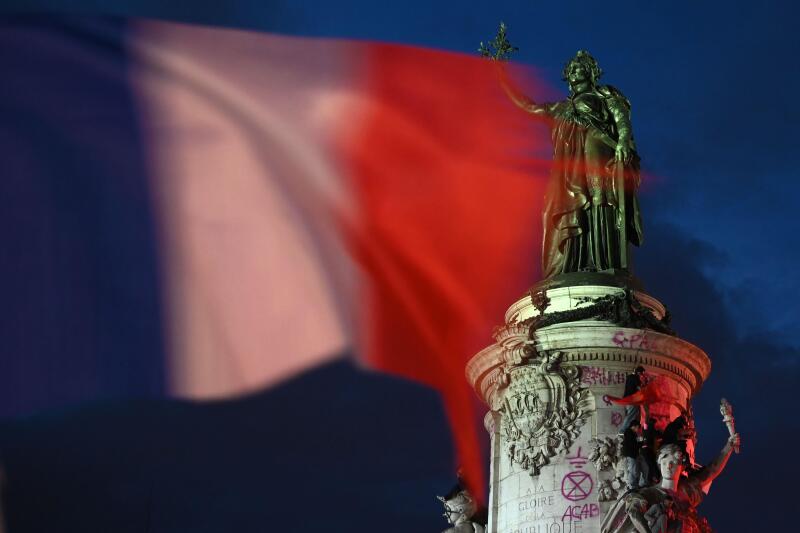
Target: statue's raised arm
(499,50)
(715,468)
(521,100)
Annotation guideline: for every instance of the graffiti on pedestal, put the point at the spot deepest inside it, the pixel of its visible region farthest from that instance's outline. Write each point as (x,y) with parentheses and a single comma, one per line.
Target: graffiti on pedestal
(596,376)
(577,485)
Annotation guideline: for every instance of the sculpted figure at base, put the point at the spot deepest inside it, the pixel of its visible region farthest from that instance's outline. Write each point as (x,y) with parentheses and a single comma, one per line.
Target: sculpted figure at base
(604,452)
(591,211)
(459,509)
(671,505)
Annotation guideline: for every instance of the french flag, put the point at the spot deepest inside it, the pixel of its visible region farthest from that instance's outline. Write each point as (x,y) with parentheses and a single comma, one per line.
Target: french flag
(300,198)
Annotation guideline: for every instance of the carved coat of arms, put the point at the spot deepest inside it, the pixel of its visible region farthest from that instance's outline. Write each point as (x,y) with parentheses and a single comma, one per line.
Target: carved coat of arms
(544,409)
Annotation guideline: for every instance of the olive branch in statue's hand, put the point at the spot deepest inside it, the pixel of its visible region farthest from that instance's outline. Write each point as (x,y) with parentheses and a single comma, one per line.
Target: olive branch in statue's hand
(498,49)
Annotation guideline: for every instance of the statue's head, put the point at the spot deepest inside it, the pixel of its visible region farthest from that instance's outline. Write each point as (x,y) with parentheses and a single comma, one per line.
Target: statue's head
(458,507)
(670,461)
(581,68)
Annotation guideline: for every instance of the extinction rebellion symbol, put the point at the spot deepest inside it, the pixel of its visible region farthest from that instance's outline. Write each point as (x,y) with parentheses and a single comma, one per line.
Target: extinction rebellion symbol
(577,485)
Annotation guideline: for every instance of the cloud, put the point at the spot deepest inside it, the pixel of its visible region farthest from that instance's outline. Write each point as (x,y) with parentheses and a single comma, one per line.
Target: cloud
(757,372)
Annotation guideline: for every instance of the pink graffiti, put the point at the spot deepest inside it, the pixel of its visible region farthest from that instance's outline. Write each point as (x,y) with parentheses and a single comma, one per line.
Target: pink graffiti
(592,375)
(616,419)
(637,341)
(577,485)
(581,512)
(577,460)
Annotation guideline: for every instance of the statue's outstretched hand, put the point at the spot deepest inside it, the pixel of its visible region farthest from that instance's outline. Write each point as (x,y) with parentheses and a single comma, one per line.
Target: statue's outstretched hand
(734,441)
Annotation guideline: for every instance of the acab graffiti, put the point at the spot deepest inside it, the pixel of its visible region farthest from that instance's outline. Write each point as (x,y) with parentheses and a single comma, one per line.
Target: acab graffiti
(581,512)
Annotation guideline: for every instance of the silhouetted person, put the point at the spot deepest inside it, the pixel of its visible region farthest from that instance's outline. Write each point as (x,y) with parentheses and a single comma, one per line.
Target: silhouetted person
(672,431)
(630,455)
(648,452)
(633,383)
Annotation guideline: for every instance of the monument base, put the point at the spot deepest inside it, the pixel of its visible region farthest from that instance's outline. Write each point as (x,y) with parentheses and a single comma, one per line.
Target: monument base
(547,381)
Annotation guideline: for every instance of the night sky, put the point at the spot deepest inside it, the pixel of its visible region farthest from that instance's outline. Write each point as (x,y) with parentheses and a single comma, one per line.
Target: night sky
(713,87)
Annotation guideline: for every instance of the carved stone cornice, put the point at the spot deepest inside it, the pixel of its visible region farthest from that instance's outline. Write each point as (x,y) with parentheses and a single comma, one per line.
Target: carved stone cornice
(631,347)
(583,343)
(622,306)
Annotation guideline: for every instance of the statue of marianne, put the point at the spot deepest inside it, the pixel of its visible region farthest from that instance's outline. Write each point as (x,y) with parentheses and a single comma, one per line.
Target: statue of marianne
(591,211)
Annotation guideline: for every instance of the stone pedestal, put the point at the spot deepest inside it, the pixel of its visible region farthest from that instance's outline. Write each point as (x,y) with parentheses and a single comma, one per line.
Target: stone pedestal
(546,380)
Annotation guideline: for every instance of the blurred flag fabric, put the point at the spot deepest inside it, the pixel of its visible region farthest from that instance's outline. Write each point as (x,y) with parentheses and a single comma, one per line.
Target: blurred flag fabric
(657,390)
(205,212)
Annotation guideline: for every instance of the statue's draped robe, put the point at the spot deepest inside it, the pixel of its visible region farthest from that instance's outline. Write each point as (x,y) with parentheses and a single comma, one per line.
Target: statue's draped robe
(582,202)
(686,499)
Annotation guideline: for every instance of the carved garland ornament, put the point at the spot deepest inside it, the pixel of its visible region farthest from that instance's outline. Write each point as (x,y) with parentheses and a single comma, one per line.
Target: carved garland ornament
(605,452)
(622,309)
(544,409)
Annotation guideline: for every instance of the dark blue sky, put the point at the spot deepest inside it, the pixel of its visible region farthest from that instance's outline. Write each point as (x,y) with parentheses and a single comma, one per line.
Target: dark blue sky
(713,87)
(711,83)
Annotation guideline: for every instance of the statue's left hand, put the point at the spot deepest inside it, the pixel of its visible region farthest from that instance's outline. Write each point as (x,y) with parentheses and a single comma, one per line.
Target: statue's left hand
(734,441)
(623,153)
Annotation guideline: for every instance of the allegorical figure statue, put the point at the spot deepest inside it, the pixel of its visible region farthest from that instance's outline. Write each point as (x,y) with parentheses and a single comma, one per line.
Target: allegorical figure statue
(591,211)
(459,510)
(671,505)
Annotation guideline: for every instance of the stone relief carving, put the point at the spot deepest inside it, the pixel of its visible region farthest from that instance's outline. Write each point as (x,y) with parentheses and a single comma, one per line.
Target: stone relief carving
(515,342)
(605,491)
(544,408)
(604,453)
(540,300)
(611,489)
(459,509)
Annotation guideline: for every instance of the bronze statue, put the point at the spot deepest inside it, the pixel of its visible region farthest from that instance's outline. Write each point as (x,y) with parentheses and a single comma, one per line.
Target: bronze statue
(591,211)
